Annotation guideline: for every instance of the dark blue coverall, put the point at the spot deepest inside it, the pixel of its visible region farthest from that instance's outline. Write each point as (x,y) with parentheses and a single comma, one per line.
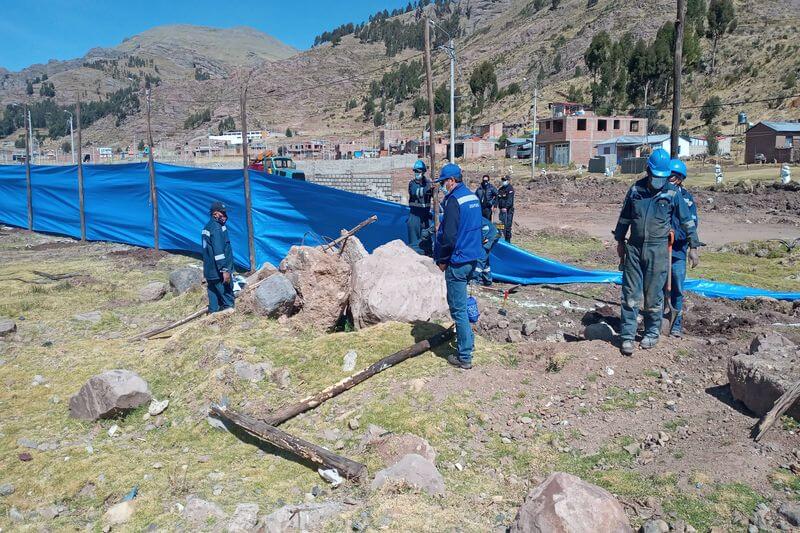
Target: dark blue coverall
(679,250)
(489,237)
(648,214)
(217,258)
(505,200)
(487,195)
(420,193)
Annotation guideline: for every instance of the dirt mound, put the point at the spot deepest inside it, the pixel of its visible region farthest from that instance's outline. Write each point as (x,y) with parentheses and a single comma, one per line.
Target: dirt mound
(140,256)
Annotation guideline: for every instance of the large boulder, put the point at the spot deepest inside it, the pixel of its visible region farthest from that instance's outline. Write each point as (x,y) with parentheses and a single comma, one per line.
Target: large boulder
(303,517)
(275,296)
(322,282)
(202,514)
(152,292)
(185,279)
(396,283)
(109,394)
(567,504)
(412,471)
(7,327)
(759,378)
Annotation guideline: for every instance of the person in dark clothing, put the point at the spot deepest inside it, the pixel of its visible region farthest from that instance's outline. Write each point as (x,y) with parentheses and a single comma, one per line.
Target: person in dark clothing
(680,249)
(420,192)
(505,202)
(489,237)
(487,195)
(218,260)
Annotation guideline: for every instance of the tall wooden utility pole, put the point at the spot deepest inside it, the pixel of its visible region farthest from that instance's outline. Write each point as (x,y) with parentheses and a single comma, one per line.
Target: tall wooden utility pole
(28,141)
(80,172)
(676,82)
(248,201)
(152,168)
(432,121)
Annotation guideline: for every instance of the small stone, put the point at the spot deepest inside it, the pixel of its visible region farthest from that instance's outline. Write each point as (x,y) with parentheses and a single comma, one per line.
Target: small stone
(244,519)
(526,420)
(609,371)
(185,279)
(253,372)
(354,424)
(93,317)
(529,327)
(119,513)
(412,470)
(152,292)
(513,335)
(349,363)
(27,443)
(633,449)
(791,512)
(7,489)
(282,378)
(38,380)
(7,327)
(113,430)
(15,516)
(156,407)
(158,466)
(655,526)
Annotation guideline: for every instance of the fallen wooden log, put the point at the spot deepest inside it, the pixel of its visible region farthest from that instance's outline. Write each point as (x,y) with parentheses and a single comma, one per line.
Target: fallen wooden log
(782,404)
(55,277)
(350,233)
(317,455)
(162,329)
(283,414)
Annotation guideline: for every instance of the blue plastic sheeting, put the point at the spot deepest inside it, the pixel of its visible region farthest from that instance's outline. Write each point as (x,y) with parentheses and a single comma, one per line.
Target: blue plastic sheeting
(285,212)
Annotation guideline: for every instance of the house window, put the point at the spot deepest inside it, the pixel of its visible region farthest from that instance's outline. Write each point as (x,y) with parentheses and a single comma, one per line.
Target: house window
(788,141)
(602,124)
(634,125)
(606,150)
(581,124)
(616,124)
(558,126)
(547,125)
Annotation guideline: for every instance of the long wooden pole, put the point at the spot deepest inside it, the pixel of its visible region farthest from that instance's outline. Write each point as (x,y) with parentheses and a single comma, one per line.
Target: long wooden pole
(248,201)
(81,206)
(152,168)
(431,121)
(676,82)
(350,233)
(283,414)
(28,141)
(312,453)
(782,404)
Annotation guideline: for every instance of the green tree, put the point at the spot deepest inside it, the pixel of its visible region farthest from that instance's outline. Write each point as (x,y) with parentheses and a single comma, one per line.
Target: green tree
(721,20)
(557,63)
(20,142)
(710,109)
(369,108)
(597,53)
(483,83)
(226,124)
(288,132)
(713,142)
(140,146)
(696,15)
(420,106)
(378,120)
(554,5)
(28,88)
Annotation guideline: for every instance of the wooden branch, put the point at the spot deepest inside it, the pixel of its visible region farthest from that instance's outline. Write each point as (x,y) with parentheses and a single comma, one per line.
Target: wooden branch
(782,404)
(162,329)
(310,452)
(347,234)
(290,411)
(55,277)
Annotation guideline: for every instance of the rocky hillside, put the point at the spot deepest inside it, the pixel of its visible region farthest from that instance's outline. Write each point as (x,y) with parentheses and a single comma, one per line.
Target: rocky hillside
(323,91)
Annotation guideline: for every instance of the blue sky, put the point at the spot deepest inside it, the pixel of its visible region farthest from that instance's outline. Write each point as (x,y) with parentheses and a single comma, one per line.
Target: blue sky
(36,31)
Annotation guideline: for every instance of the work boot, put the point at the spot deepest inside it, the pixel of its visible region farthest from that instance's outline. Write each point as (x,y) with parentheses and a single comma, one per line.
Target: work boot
(648,342)
(626,348)
(455,361)
(676,333)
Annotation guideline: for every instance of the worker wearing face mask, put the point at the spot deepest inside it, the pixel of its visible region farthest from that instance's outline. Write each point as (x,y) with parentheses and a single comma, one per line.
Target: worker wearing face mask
(218,259)
(505,202)
(487,196)
(420,192)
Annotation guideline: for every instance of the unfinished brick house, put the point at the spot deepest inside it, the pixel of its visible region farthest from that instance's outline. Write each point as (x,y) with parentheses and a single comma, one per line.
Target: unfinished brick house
(571,132)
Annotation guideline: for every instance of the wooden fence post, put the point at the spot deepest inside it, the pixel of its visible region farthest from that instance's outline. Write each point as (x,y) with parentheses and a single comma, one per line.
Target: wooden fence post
(248,201)
(152,169)
(80,173)
(29,192)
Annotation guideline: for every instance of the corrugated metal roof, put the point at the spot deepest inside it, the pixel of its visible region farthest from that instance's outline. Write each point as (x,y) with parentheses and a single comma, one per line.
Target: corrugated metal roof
(636,139)
(789,127)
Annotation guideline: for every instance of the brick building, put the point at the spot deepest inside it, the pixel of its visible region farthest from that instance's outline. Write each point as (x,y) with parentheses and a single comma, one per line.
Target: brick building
(777,141)
(571,133)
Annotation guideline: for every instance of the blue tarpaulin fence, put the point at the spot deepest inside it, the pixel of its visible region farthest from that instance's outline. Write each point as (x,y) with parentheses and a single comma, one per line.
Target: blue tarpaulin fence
(285,212)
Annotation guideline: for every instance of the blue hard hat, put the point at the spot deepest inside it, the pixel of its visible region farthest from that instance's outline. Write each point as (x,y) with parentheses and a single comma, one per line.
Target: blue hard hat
(450,170)
(659,163)
(419,166)
(676,166)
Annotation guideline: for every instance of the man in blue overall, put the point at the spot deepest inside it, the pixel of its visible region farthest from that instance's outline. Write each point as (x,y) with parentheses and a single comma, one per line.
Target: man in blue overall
(487,195)
(489,237)
(218,260)
(647,211)
(457,250)
(420,192)
(680,247)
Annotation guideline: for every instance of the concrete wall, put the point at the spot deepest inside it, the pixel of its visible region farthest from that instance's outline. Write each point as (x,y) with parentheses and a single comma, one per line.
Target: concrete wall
(356,166)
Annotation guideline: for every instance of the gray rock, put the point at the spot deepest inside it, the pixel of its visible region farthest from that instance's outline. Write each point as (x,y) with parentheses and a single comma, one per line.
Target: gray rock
(201,513)
(771,341)
(7,489)
(7,327)
(304,517)
(392,447)
(27,443)
(254,372)
(564,502)
(758,380)
(514,335)
(153,291)
(791,512)
(599,331)
(275,296)
(529,327)
(349,363)
(373,434)
(93,317)
(51,512)
(412,470)
(282,378)
(109,394)
(15,516)
(185,279)
(353,251)
(654,526)
(244,518)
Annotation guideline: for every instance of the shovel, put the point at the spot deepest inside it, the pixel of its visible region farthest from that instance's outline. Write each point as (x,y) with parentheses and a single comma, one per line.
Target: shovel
(673,314)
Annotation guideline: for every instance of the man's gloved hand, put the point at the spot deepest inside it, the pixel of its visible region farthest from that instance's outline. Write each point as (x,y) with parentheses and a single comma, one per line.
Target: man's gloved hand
(442,266)
(694,257)
(226,277)
(621,250)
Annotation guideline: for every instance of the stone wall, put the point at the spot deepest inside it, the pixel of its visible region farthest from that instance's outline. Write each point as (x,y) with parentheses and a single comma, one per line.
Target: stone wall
(374,185)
